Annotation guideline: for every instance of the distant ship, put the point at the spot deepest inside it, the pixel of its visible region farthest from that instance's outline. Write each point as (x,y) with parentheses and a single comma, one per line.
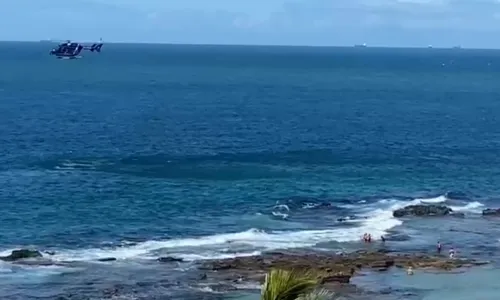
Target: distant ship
(457,47)
(360,45)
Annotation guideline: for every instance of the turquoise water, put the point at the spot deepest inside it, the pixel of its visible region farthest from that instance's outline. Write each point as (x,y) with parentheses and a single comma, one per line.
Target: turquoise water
(193,151)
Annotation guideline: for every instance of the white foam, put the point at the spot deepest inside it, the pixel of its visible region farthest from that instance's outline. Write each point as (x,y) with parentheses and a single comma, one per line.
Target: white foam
(213,246)
(6,252)
(378,219)
(377,222)
(439,199)
(473,207)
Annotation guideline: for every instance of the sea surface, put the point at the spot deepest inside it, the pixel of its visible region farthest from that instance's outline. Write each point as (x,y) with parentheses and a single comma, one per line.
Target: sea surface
(201,152)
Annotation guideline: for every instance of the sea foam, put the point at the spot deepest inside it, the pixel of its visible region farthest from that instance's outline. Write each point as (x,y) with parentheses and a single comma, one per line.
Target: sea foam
(376,219)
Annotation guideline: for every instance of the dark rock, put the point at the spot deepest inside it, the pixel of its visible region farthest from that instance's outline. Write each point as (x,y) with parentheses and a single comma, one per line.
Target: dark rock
(341,278)
(491,212)
(422,210)
(382,264)
(398,237)
(107,259)
(479,263)
(169,259)
(21,254)
(223,288)
(329,267)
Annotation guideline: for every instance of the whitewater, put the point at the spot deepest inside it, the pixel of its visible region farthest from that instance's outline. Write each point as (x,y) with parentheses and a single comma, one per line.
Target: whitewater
(375,219)
(184,151)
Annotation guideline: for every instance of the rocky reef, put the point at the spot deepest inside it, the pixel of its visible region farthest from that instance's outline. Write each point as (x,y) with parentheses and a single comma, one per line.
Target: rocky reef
(422,210)
(491,212)
(330,268)
(21,254)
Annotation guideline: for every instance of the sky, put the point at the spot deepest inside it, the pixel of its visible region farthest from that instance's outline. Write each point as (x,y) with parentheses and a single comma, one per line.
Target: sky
(402,23)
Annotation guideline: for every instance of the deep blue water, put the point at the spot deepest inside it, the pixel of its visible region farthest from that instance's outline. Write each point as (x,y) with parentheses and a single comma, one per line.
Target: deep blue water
(158,145)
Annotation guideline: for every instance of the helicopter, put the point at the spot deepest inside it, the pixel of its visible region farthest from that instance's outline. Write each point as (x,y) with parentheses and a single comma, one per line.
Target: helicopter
(72,50)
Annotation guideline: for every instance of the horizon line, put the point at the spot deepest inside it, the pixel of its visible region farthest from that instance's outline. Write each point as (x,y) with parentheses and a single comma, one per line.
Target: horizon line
(365,46)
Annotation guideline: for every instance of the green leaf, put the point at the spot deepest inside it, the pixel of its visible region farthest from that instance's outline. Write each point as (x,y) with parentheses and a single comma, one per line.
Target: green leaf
(288,285)
(317,295)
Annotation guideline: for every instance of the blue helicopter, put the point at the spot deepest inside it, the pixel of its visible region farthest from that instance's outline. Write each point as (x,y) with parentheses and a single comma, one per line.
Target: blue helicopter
(72,50)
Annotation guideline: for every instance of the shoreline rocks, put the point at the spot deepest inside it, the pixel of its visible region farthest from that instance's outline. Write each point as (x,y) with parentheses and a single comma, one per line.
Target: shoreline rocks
(491,212)
(169,259)
(330,268)
(421,210)
(21,254)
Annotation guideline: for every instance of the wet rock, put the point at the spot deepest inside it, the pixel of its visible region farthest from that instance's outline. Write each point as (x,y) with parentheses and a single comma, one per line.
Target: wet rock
(340,278)
(479,263)
(421,210)
(222,288)
(384,264)
(107,259)
(21,254)
(398,237)
(330,268)
(491,212)
(168,259)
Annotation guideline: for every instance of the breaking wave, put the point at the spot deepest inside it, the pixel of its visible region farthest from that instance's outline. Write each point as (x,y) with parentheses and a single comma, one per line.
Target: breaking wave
(376,219)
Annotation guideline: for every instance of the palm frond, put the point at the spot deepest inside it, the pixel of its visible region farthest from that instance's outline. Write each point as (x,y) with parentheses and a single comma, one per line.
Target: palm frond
(287,285)
(317,295)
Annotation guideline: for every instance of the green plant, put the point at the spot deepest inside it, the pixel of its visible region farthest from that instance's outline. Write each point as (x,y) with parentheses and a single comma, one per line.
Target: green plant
(292,285)
(320,294)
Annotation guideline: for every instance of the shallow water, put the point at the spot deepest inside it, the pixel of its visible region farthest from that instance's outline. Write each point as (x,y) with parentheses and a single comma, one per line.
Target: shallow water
(476,283)
(194,151)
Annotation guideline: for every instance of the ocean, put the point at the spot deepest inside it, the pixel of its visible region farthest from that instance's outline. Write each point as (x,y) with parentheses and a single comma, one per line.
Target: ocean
(202,152)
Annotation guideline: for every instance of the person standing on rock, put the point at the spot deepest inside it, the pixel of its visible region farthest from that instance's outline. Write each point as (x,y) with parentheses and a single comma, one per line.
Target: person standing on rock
(452,253)
(439,247)
(409,271)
